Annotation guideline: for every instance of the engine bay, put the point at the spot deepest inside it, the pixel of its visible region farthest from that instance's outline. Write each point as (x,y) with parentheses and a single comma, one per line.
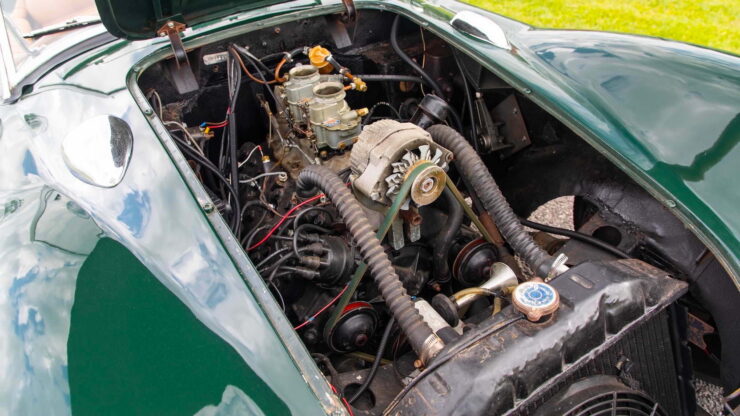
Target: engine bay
(355,164)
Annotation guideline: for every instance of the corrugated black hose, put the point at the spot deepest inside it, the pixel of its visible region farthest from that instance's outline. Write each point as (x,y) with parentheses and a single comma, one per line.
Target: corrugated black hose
(390,286)
(470,166)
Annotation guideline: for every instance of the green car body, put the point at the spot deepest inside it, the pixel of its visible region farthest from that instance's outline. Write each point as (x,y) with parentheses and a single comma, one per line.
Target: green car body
(132,299)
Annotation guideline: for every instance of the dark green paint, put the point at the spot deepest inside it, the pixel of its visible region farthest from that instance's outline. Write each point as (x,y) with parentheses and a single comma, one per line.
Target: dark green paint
(134,348)
(669,112)
(141,19)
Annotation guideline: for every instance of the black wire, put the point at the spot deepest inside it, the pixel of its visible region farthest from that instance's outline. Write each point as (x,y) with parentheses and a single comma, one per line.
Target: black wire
(272,256)
(300,216)
(253,203)
(235,77)
(277,265)
(453,352)
(279,262)
(390,77)
(577,236)
(251,58)
(376,362)
(418,69)
(469,100)
(247,240)
(344,174)
(279,295)
(427,78)
(297,234)
(370,113)
(210,166)
(272,56)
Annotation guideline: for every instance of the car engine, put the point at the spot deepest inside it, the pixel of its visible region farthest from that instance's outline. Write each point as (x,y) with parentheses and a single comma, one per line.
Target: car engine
(369,178)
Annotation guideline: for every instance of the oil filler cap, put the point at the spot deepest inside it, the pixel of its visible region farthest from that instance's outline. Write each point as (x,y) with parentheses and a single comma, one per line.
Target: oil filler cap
(535,299)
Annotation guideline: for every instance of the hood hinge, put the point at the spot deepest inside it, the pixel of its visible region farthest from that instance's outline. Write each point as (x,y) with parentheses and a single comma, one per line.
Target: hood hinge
(350,11)
(180,69)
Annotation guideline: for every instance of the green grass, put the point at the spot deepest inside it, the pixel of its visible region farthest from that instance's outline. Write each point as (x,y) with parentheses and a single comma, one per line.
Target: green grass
(712,23)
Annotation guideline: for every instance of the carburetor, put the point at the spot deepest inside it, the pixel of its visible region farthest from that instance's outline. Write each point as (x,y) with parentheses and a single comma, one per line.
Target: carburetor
(318,101)
(298,89)
(332,121)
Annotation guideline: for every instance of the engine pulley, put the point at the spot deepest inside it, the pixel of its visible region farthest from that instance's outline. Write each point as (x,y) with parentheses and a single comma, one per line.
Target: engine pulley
(354,328)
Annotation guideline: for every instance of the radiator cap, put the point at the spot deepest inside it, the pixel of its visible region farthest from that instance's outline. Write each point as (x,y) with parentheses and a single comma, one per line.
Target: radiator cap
(535,299)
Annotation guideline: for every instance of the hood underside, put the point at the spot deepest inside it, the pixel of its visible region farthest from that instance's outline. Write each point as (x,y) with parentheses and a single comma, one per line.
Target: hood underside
(142,19)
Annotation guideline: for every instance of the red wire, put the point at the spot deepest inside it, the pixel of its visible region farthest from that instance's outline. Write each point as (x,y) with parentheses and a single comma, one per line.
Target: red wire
(346,403)
(218,124)
(331,302)
(282,220)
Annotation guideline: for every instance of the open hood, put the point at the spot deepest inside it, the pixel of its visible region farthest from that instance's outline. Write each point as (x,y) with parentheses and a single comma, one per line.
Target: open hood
(142,19)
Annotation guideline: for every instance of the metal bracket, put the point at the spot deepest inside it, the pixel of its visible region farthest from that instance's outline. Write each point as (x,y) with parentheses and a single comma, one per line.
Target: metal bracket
(350,11)
(182,74)
(172,29)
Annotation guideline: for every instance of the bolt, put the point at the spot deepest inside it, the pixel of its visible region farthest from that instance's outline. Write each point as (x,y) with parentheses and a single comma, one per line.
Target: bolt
(162,34)
(277,30)
(427,185)
(375,196)
(283,177)
(527,91)
(170,24)
(208,207)
(670,203)
(148,112)
(418,364)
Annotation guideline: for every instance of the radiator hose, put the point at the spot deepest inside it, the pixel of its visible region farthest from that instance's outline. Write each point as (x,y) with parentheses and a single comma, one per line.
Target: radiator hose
(420,335)
(472,168)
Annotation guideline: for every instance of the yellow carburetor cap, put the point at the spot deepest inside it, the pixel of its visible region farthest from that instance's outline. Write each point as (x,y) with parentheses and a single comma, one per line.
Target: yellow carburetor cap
(318,56)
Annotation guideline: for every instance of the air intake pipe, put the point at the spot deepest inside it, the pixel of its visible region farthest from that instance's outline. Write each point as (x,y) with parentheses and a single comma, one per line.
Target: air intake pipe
(420,335)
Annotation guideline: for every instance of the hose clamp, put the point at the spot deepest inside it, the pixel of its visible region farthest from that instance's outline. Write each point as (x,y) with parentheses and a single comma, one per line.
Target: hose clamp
(558,267)
(430,348)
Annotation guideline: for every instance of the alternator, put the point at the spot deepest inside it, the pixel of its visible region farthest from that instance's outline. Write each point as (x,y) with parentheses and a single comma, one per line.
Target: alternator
(387,151)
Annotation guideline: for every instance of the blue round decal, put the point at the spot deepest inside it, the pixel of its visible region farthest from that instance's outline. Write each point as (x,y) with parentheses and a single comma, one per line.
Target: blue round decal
(536,294)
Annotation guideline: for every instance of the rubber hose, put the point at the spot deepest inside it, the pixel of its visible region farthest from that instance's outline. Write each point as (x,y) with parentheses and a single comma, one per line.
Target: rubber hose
(419,70)
(469,101)
(577,236)
(400,304)
(475,171)
(390,77)
(446,237)
(376,363)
